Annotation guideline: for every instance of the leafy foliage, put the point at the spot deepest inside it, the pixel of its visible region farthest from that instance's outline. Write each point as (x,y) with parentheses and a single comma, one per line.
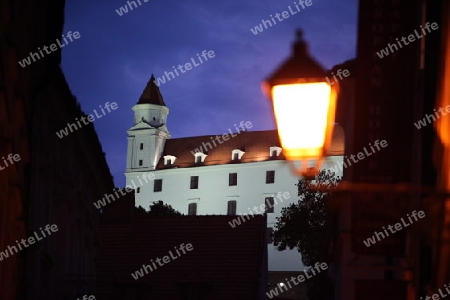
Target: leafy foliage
(158,209)
(302,225)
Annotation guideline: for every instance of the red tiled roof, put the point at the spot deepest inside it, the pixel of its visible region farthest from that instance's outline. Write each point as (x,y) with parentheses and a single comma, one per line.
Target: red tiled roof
(228,259)
(255,144)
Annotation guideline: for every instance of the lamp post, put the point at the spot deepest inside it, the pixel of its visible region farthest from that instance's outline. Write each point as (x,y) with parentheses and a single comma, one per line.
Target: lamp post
(304,108)
(304,105)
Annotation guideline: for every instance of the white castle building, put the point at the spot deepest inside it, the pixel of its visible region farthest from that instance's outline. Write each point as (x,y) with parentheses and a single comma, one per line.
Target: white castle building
(236,172)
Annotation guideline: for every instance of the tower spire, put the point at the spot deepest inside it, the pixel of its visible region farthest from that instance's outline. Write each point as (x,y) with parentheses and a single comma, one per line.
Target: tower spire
(151,94)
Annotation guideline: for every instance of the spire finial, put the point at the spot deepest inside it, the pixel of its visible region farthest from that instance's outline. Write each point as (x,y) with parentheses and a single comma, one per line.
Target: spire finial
(299,45)
(299,33)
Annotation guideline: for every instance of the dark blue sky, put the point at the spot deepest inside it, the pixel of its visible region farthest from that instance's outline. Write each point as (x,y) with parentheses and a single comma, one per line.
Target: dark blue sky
(116,55)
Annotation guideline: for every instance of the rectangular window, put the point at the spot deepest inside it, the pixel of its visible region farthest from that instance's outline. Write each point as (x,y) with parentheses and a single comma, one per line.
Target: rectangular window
(269,205)
(141,146)
(138,190)
(231,211)
(232,179)
(169,162)
(270,176)
(194,182)
(198,159)
(157,185)
(192,209)
(140,162)
(274,153)
(236,156)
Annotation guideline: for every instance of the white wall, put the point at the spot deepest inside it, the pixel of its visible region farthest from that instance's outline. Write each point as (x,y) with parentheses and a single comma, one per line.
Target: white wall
(213,193)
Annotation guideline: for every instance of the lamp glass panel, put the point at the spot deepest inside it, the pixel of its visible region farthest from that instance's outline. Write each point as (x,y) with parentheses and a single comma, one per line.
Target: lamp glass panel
(301,112)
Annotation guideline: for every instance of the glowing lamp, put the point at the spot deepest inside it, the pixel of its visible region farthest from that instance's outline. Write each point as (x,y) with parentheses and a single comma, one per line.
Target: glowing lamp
(304,106)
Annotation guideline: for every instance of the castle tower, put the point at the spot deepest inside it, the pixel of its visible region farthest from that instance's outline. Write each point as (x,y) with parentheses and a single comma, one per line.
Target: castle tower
(148,135)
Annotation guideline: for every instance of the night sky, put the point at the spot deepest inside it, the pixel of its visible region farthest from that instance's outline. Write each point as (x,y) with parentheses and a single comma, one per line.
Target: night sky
(116,55)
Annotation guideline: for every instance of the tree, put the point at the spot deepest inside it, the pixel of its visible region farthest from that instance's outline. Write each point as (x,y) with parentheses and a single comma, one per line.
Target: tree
(158,209)
(303,225)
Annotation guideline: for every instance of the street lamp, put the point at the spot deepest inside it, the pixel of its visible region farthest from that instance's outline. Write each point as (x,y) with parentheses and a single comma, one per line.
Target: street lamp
(304,108)
(304,105)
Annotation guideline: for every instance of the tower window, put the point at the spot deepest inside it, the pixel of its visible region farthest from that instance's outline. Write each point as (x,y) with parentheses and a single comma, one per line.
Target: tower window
(270,176)
(192,209)
(231,211)
(194,182)
(157,185)
(141,146)
(140,162)
(232,179)
(269,205)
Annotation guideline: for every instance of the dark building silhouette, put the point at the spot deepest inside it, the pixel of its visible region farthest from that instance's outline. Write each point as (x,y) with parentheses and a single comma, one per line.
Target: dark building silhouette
(391,93)
(223,263)
(56,180)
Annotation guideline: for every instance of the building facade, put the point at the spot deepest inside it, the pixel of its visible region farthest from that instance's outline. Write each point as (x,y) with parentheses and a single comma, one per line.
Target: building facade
(239,172)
